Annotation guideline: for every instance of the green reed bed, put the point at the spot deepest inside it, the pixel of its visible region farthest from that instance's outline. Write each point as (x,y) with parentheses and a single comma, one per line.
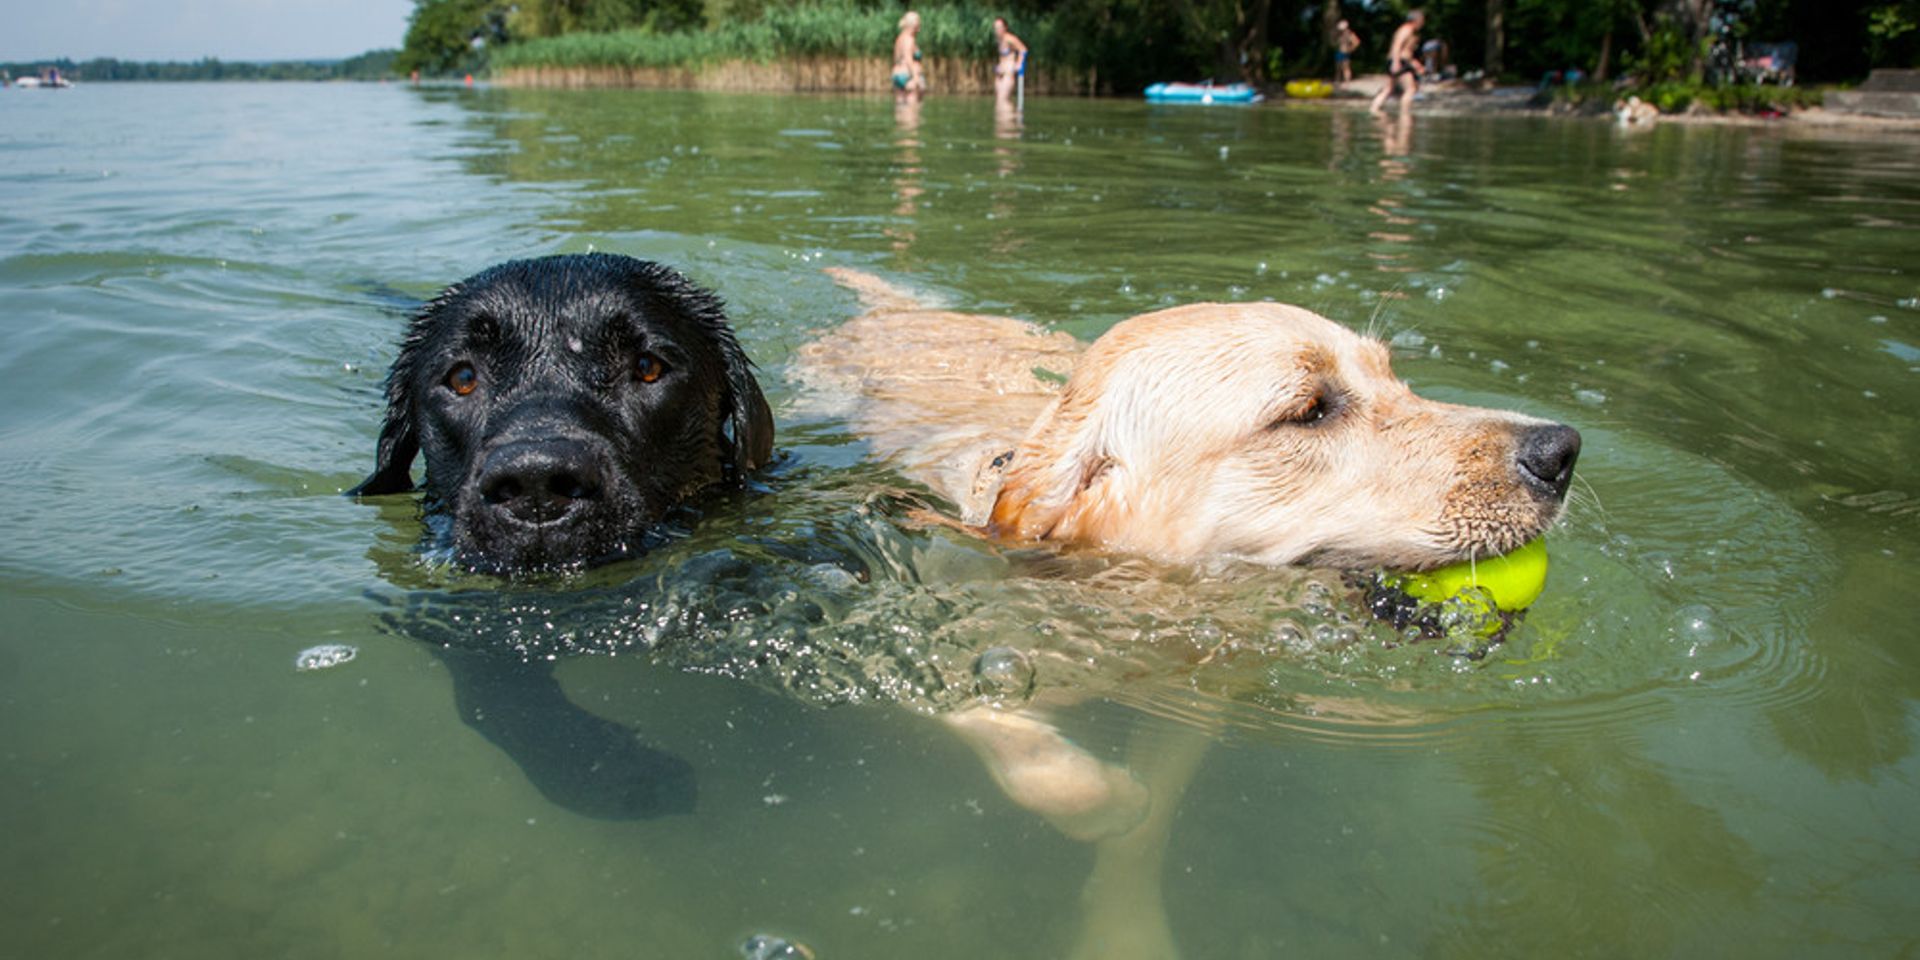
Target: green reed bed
(798,32)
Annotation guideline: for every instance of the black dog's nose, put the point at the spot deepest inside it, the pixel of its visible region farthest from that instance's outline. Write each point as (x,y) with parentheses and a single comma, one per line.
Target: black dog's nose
(1546,455)
(540,482)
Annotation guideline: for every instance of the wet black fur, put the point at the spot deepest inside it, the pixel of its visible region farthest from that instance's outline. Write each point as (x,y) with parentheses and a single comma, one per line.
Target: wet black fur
(557,345)
(554,342)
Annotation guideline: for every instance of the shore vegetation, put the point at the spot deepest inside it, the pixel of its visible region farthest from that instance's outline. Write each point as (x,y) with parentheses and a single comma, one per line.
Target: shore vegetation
(1120,46)
(372,65)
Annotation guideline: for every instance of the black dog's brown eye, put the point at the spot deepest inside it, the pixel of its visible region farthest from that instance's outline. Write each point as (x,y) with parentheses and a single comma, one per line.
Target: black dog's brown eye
(462,379)
(648,368)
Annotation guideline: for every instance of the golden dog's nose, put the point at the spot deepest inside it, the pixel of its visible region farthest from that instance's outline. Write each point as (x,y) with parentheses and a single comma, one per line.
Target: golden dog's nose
(1546,455)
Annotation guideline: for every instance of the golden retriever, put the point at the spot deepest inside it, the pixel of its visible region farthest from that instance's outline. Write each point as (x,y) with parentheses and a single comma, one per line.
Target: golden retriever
(1255,431)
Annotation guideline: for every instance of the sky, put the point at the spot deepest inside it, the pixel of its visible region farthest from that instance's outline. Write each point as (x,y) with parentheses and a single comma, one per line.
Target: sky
(192,29)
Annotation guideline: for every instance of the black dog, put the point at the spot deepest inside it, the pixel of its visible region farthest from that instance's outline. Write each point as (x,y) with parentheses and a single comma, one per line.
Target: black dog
(563,405)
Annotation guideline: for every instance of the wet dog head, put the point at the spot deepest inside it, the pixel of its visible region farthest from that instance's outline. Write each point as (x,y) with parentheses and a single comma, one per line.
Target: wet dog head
(563,404)
(1271,433)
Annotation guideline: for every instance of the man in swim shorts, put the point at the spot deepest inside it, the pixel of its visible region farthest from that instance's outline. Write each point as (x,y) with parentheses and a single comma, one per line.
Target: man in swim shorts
(1403,62)
(1345,42)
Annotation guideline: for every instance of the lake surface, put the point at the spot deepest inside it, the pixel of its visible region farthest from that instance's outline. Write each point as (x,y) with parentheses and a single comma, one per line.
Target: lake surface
(1702,741)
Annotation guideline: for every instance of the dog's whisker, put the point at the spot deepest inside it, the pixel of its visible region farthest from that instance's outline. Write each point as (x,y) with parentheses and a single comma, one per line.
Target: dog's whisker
(1380,309)
(1586,493)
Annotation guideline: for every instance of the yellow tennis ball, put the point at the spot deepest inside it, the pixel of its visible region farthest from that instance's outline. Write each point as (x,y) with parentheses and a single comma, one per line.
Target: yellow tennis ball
(1513,579)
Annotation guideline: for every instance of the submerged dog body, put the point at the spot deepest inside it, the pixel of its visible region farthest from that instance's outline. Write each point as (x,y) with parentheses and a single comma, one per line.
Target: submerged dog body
(564,404)
(1259,431)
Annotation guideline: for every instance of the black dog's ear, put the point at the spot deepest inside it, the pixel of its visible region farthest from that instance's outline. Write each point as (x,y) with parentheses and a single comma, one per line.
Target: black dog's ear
(749,422)
(393,462)
(746,427)
(399,442)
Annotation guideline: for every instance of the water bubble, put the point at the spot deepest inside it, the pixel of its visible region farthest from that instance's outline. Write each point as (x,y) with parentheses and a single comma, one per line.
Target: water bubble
(1003,673)
(762,946)
(324,656)
(1697,625)
(1289,637)
(1437,294)
(1590,397)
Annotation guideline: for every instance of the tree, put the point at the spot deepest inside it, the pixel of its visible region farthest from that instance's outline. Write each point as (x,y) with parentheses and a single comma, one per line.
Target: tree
(1496,38)
(449,36)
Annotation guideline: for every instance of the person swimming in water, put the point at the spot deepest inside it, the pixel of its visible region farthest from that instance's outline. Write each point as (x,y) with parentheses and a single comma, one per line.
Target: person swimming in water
(1010,59)
(908,78)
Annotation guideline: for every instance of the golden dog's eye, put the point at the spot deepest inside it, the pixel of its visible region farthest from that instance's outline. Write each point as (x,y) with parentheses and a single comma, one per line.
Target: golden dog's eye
(648,368)
(462,379)
(1316,409)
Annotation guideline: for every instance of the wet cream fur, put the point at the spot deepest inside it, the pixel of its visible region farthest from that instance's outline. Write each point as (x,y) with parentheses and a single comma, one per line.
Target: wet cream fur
(1259,431)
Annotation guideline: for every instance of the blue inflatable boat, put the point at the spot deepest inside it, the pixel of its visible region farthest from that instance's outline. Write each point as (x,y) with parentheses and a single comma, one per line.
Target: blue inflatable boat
(1202,93)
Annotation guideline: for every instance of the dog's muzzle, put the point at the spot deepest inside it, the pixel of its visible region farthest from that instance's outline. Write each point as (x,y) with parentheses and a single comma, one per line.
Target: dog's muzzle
(538,483)
(535,504)
(1545,456)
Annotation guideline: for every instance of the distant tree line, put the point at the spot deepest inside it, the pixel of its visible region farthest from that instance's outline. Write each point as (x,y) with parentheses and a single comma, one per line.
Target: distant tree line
(1130,43)
(372,65)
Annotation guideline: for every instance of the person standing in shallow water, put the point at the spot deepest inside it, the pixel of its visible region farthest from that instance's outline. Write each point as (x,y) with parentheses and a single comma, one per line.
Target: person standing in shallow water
(908,78)
(1403,62)
(1345,42)
(1010,59)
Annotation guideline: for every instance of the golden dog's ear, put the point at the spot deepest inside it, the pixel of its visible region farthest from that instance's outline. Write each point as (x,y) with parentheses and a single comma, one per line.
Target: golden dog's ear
(1051,485)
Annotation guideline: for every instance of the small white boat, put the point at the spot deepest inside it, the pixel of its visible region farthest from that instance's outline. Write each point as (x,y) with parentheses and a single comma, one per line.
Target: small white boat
(49,79)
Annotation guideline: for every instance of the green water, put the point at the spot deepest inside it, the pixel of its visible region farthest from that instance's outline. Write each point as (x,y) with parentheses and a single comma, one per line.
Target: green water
(1702,742)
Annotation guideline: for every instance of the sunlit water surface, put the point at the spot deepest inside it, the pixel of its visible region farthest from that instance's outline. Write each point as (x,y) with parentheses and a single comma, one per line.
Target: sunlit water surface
(1701,742)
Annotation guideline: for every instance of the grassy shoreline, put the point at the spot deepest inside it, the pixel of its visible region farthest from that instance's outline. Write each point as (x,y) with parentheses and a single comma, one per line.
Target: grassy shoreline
(799,75)
(800,48)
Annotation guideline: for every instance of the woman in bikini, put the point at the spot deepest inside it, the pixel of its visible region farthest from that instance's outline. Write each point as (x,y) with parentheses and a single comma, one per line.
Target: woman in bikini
(907,75)
(1010,59)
